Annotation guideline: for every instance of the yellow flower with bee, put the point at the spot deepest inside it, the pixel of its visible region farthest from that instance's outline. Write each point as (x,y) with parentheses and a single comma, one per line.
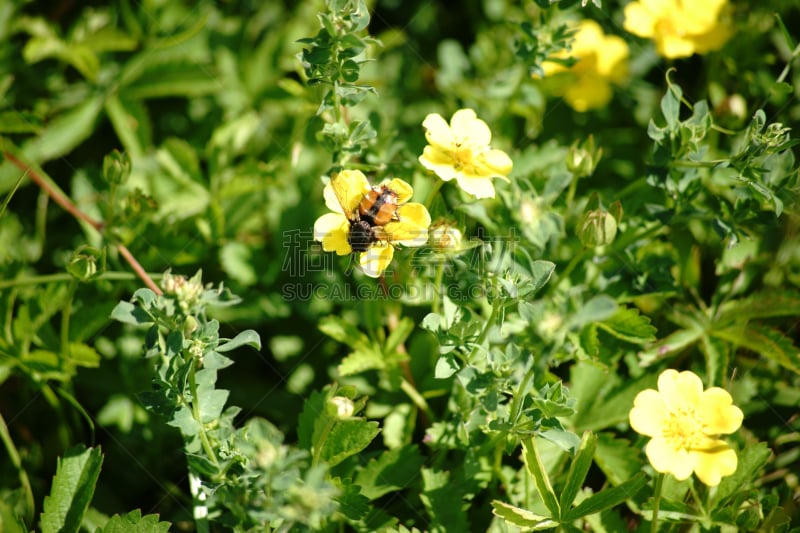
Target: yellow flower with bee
(370,221)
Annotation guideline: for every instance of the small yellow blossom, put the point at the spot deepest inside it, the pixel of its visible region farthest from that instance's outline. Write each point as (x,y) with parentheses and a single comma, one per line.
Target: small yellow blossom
(601,60)
(679,28)
(341,231)
(684,422)
(461,150)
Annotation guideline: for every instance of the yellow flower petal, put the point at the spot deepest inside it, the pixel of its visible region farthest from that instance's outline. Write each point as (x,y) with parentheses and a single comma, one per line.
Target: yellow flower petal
(469,129)
(680,390)
(412,227)
(443,169)
(375,260)
(349,187)
(402,188)
(333,229)
(589,91)
(648,413)
(639,20)
(479,187)
(437,132)
(494,163)
(718,413)
(712,464)
(666,459)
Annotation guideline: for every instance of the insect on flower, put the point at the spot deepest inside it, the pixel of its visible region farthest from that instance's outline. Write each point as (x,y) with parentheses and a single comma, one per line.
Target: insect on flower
(370,221)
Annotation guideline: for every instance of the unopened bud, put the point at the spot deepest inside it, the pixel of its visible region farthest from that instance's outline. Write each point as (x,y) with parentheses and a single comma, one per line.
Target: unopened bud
(583,157)
(597,228)
(116,167)
(344,406)
(83,264)
(443,237)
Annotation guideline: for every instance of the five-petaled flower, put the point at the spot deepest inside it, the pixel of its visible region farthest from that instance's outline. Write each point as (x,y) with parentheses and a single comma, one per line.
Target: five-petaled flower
(679,28)
(601,60)
(461,150)
(341,232)
(684,422)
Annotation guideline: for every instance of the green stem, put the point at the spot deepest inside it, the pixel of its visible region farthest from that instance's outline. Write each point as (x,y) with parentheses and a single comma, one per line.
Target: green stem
(697,499)
(437,287)
(13,454)
(417,398)
(437,185)
(321,442)
(515,401)
(656,503)
(207,448)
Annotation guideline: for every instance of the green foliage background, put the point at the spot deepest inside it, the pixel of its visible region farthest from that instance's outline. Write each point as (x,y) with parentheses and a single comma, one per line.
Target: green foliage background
(227,142)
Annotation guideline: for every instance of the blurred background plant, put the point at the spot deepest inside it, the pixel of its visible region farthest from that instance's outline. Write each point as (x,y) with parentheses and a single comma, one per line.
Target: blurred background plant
(191,137)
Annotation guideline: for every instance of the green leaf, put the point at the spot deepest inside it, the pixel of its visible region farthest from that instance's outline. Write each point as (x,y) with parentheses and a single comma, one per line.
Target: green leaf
(346,438)
(72,489)
(444,501)
(627,324)
(597,309)
(245,338)
(612,405)
(134,522)
(541,271)
(766,342)
(393,470)
(751,461)
(618,460)
(313,410)
(578,470)
(61,135)
(361,361)
(399,335)
(173,79)
(19,122)
(83,355)
(533,463)
(607,498)
(761,305)
(520,517)
(128,313)
(671,106)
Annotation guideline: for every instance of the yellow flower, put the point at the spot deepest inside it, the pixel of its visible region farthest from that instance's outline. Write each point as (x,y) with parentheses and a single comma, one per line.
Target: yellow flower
(679,27)
(461,150)
(343,231)
(684,421)
(601,60)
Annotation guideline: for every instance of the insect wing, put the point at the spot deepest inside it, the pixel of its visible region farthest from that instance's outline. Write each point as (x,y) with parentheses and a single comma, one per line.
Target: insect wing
(349,187)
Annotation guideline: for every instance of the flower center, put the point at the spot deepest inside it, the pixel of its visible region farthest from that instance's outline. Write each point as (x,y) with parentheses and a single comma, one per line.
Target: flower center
(683,429)
(462,155)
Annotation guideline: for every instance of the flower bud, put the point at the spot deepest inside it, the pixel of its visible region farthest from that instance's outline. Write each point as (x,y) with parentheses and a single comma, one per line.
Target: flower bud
(597,228)
(83,264)
(344,406)
(116,167)
(443,237)
(583,157)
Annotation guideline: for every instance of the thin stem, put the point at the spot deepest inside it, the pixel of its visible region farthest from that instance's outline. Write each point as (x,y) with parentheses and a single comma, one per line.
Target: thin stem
(419,400)
(52,190)
(516,400)
(437,287)
(141,272)
(437,184)
(207,448)
(656,503)
(13,454)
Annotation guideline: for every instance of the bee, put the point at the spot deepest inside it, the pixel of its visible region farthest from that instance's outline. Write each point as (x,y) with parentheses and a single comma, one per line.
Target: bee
(366,208)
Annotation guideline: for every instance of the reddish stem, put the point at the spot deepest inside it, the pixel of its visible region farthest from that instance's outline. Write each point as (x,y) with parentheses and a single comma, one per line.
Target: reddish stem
(72,209)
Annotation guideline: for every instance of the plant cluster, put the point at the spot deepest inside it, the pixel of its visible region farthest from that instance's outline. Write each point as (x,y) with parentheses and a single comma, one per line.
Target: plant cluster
(351,265)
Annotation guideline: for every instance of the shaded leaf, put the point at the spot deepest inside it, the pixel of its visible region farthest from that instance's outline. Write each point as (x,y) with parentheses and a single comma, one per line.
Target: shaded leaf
(72,489)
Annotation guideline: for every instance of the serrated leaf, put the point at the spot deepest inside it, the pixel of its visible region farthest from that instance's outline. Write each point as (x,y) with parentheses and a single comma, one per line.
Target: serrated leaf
(541,271)
(444,501)
(613,406)
(618,460)
(72,489)
(20,122)
(520,517)
(64,132)
(766,342)
(627,324)
(313,410)
(134,522)
(399,335)
(578,469)
(352,503)
(81,354)
(675,342)
(393,470)
(607,498)
(595,310)
(751,460)
(346,438)
(361,361)
(173,79)
(761,305)
(537,471)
